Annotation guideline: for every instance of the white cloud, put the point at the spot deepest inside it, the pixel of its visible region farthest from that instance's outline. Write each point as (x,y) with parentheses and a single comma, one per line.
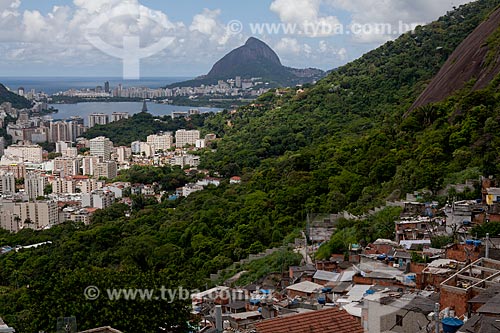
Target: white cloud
(205,22)
(296,11)
(288,45)
(372,15)
(59,37)
(9,5)
(306,16)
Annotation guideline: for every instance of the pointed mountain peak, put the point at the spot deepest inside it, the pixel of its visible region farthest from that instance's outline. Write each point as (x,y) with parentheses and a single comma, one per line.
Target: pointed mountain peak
(255,59)
(252,41)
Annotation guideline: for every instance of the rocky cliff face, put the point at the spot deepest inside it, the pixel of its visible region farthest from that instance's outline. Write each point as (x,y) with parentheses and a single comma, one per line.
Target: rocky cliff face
(254,52)
(477,58)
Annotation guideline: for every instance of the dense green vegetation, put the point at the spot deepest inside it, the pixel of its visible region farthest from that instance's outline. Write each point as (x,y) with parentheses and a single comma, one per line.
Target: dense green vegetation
(379,225)
(341,144)
(17,101)
(253,272)
(167,178)
(492,228)
(346,139)
(140,125)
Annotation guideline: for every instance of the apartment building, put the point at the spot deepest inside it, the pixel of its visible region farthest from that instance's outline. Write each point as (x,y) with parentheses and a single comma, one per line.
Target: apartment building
(162,141)
(101,147)
(186,138)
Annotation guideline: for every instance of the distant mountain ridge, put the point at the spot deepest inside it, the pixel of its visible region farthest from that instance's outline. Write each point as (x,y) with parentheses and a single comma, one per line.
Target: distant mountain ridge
(252,60)
(17,101)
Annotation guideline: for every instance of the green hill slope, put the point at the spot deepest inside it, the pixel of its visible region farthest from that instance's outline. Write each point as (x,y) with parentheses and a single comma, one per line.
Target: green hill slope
(342,143)
(342,133)
(17,101)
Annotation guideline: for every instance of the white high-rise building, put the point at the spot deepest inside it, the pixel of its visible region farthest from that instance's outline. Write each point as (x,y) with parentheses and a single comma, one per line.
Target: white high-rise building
(123,154)
(101,147)
(66,166)
(89,164)
(98,119)
(61,146)
(33,215)
(117,116)
(63,185)
(183,138)
(59,131)
(26,153)
(2,145)
(136,147)
(70,152)
(7,183)
(98,199)
(106,169)
(34,185)
(161,141)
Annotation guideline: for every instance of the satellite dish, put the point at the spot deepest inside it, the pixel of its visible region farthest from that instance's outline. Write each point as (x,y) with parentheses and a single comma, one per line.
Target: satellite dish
(66,325)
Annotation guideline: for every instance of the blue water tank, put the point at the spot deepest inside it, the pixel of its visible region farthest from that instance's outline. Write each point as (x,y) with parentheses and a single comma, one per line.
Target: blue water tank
(469,242)
(326,290)
(477,243)
(322,300)
(382,257)
(451,325)
(254,301)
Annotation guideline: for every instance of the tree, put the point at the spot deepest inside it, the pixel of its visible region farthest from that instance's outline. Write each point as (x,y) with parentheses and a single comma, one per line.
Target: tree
(47,189)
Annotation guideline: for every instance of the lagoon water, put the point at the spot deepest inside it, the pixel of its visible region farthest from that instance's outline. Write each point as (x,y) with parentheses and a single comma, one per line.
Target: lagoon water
(85,109)
(52,85)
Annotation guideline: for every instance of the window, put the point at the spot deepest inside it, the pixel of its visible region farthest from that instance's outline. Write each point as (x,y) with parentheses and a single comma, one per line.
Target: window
(399,320)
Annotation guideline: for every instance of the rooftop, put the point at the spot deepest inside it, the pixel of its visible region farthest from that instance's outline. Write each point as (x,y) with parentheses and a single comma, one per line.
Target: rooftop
(356,293)
(481,324)
(480,275)
(323,321)
(492,307)
(326,276)
(306,287)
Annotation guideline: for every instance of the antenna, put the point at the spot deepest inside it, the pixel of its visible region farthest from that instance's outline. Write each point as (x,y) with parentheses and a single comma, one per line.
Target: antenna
(66,325)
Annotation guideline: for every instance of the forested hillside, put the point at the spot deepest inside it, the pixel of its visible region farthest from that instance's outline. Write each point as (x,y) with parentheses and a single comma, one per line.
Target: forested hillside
(17,101)
(342,137)
(341,144)
(140,125)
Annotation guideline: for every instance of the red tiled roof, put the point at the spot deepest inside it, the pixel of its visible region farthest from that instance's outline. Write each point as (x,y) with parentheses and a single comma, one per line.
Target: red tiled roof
(323,321)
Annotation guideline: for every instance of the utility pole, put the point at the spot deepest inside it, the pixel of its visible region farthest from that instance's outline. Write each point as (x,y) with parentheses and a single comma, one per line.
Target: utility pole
(436,316)
(305,236)
(487,251)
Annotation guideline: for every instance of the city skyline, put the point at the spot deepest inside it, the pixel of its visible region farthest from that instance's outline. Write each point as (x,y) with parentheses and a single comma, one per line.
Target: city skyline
(48,39)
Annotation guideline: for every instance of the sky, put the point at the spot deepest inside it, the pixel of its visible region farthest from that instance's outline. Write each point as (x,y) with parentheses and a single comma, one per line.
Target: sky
(167,38)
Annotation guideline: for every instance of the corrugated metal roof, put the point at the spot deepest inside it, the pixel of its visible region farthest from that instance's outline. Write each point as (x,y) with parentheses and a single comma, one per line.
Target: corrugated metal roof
(491,307)
(342,287)
(326,276)
(357,292)
(347,276)
(306,287)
